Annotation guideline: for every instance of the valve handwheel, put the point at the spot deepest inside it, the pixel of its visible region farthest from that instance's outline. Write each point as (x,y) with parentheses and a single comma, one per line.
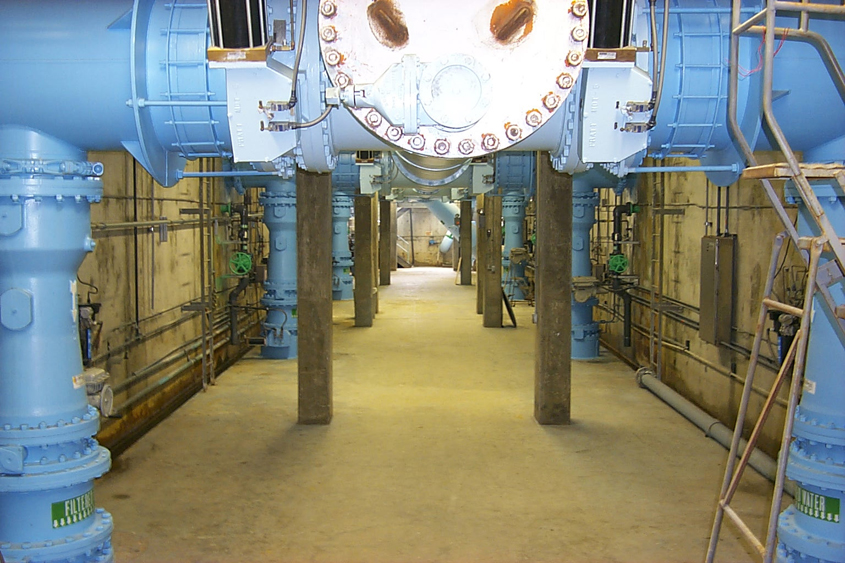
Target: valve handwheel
(240,263)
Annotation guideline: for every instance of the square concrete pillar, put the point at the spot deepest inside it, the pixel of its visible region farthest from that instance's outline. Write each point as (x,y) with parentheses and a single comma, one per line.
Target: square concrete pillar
(492,287)
(314,296)
(553,281)
(386,217)
(466,242)
(365,254)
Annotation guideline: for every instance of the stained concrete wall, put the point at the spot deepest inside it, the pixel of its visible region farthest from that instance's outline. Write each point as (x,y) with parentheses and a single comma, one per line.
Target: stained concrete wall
(428,234)
(708,375)
(146,335)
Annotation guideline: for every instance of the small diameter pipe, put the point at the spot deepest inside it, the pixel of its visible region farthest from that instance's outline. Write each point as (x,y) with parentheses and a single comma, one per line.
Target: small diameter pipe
(763,464)
(222,174)
(715,168)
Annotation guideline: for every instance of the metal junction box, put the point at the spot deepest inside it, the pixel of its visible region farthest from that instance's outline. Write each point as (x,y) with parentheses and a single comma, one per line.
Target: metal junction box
(717,288)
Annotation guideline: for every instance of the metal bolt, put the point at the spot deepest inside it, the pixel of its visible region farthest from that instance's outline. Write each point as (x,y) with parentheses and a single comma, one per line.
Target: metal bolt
(329,33)
(489,142)
(533,118)
(342,80)
(417,142)
(332,58)
(374,118)
(578,33)
(574,58)
(565,81)
(579,9)
(328,9)
(441,146)
(513,132)
(551,101)
(466,146)
(394,133)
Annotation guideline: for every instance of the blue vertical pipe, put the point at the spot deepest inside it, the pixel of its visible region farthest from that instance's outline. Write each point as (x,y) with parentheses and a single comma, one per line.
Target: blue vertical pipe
(513,216)
(345,183)
(812,529)
(48,456)
(280,325)
(585,331)
(341,255)
(515,177)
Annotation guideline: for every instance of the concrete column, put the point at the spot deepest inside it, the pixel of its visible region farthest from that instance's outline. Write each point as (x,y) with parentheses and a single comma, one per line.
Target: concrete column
(385,218)
(466,242)
(314,306)
(492,242)
(365,308)
(480,255)
(553,279)
(394,238)
(374,235)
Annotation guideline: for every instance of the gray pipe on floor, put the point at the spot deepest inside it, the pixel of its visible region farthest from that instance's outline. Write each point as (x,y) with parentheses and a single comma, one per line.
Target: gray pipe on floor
(765,466)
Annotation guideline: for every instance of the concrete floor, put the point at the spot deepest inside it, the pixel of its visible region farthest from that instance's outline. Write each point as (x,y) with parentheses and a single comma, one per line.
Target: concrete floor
(433,455)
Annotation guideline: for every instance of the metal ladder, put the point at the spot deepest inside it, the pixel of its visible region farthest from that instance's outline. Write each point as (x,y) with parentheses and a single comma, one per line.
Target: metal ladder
(795,360)
(819,277)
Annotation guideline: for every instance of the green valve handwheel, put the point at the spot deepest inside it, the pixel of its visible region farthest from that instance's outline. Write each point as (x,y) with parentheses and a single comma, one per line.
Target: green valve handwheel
(240,263)
(618,263)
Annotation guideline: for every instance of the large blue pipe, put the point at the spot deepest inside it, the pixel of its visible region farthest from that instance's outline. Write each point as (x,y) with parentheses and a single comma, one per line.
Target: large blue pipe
(280,297)
(692,119)
(812,529)
(515,177)
(585,331)
(115,75)
(48,456)
(345,183)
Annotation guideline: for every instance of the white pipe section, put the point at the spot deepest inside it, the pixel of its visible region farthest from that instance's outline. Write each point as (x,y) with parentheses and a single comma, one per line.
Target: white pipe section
(446,213)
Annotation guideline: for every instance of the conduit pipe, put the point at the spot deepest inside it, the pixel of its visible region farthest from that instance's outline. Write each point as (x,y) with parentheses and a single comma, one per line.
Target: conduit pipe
(763,464)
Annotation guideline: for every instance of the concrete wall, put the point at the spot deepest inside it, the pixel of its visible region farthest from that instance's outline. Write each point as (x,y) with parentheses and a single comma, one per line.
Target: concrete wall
(708,375)
(428,234)
(145,331)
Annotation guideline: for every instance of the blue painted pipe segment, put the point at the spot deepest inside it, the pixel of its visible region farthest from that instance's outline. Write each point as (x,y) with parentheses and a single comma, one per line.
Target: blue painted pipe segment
(585,331)
(280,325)
(133,76)
(812,529)
(515,174)
(48,456)
(345,183)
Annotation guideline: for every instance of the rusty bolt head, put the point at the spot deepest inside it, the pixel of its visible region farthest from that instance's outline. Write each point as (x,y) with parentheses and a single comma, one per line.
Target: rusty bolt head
(578,34)
(393,133)
(513,132)
(328,9)
(373,118)
(466,146)
(342,80)
(574,58)
(579,9)
(489,142)
(551,101)
(417,142)
(332,57)
(533,118)
(329,33)
(441,146)
(565,81)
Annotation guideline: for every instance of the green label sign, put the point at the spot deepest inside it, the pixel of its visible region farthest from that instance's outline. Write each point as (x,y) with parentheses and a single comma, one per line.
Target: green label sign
(73,510)
(817,506)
